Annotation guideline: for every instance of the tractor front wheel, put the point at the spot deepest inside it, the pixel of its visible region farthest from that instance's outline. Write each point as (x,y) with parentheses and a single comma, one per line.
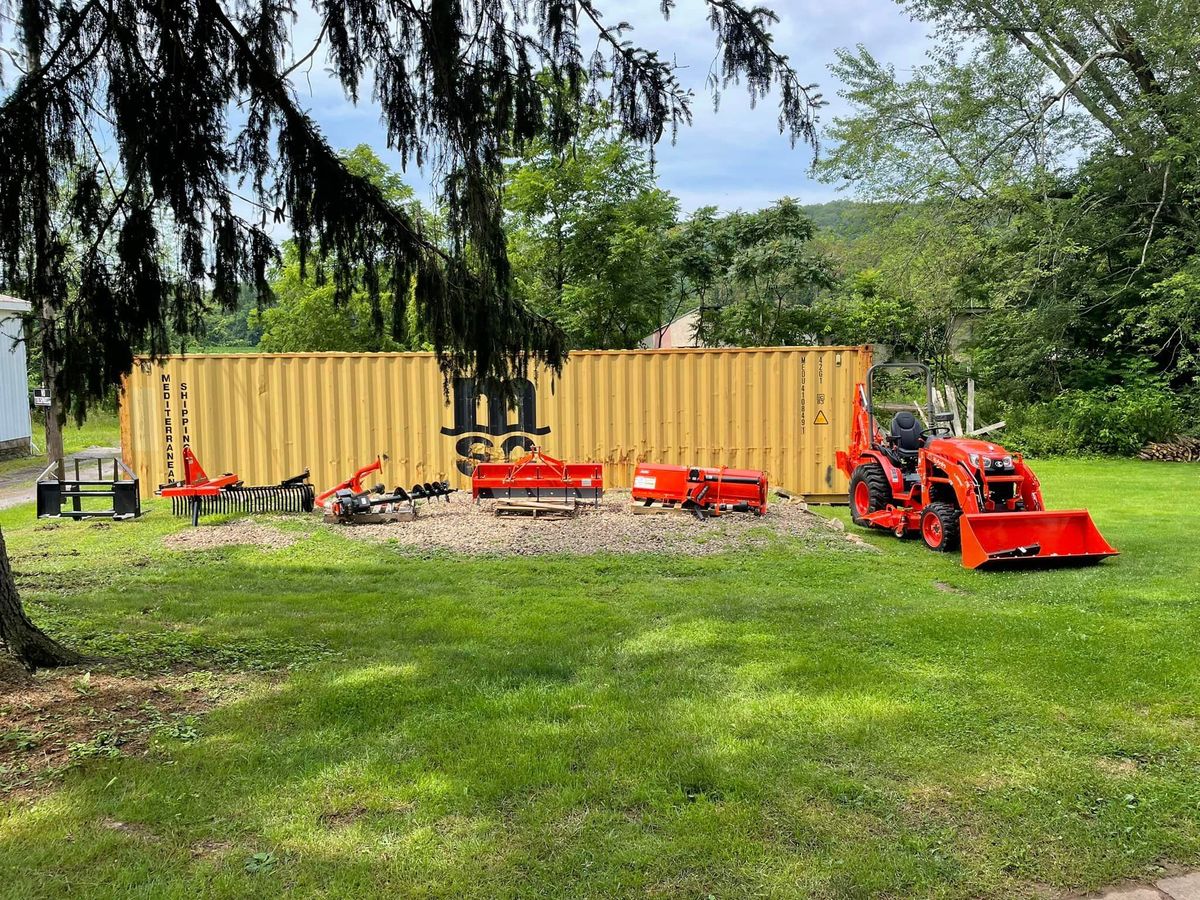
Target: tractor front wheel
(869,492)
(939,527)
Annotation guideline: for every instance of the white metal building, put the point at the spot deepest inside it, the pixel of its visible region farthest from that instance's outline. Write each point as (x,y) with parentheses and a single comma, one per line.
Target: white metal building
(15,426)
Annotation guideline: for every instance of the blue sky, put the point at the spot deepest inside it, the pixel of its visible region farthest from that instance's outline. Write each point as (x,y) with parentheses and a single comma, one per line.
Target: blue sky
(732,158)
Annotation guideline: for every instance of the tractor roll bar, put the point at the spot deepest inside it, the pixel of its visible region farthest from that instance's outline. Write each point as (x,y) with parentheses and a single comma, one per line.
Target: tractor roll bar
(932,416)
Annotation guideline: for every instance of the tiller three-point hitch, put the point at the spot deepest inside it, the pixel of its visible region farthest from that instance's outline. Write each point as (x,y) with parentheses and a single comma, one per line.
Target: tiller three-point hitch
(957,491)
(200,495)
(702,491)
(538,477)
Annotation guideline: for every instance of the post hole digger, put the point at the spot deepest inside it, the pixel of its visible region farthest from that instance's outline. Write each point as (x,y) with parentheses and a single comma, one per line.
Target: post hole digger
(956,491)
(353,503)
(197,493)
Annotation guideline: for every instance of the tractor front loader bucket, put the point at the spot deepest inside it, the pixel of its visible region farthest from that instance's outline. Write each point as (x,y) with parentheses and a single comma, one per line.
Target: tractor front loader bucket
(1033,539)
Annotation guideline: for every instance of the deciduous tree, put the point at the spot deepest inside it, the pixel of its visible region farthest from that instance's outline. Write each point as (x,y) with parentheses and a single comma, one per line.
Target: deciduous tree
(588,236)
(199,98)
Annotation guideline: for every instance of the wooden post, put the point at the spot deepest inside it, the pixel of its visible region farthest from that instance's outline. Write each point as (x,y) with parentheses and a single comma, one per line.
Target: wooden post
(970,404)
(986,429)
(952,405)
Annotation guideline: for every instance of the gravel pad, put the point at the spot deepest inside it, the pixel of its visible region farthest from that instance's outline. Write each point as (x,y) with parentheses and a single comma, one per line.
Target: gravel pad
(473,529)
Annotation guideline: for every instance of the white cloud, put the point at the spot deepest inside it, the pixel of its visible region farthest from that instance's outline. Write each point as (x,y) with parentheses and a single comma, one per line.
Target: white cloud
(731,158)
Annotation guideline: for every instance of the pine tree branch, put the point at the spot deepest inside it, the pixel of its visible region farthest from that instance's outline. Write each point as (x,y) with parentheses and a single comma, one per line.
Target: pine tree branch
(309,55)
(274,87)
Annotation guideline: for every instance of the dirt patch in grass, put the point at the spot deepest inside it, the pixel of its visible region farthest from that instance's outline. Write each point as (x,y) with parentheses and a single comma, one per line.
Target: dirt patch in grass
(228,534)
(474,529)
(1118,765)
(342,818)
(58,719)
(947,588)
(212,847)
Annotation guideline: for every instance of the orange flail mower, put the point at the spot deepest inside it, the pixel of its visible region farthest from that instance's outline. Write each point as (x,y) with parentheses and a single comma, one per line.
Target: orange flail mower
(703,491)
(957,491)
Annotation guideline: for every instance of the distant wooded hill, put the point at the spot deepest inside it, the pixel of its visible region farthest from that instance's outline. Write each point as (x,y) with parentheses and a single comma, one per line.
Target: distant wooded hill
(847,219)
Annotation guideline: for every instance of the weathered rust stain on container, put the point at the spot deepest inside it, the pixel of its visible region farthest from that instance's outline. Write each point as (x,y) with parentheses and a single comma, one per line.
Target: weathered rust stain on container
(268,416)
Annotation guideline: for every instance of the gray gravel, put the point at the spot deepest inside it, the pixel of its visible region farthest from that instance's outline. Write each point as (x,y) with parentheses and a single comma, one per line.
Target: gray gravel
(472,529)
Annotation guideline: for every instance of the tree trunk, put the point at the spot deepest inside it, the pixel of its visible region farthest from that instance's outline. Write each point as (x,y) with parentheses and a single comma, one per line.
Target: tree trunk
(40,186)
(29,644)
(54,412)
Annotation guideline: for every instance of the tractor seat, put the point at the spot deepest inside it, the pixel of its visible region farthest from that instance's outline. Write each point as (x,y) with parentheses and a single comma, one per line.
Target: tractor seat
(906,435)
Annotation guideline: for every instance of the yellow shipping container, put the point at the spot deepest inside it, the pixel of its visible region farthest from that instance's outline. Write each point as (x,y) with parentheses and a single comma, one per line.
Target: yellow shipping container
(269,416)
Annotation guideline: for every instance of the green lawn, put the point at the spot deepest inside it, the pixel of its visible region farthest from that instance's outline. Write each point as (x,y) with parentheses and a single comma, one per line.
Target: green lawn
(101,429)
(788,722)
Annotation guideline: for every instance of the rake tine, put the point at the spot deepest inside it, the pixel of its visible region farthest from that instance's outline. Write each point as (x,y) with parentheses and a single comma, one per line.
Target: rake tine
(287,496)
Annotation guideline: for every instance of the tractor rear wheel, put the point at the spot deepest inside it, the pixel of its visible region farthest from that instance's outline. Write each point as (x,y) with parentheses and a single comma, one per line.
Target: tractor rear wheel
(939,527)
(869,492)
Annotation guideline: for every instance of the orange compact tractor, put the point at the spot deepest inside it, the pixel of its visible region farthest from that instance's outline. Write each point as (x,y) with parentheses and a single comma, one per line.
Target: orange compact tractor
(956,491)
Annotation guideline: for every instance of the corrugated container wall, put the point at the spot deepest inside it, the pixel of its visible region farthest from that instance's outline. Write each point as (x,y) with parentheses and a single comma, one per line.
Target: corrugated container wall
(269,416)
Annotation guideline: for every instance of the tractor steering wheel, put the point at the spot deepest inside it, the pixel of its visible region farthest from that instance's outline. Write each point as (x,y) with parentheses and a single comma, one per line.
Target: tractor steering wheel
(936,430)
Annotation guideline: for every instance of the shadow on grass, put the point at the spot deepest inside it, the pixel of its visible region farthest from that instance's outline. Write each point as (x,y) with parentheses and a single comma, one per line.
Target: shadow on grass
(778,722)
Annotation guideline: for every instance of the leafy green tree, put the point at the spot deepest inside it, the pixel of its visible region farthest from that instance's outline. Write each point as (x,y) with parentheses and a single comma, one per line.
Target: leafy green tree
(306,317)
(233,328)
(700,253)
(769,277)
(1061,145)
(1171,318)
(307,314)
(912,289)
(588,236)
(455,85)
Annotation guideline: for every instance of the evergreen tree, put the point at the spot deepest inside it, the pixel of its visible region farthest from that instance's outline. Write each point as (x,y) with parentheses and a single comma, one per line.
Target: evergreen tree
(455,84)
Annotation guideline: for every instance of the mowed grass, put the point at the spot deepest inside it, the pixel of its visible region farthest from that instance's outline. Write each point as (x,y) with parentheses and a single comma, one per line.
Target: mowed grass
(801,721)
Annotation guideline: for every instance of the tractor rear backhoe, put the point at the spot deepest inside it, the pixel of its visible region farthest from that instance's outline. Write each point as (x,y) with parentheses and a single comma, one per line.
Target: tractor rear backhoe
(956,492)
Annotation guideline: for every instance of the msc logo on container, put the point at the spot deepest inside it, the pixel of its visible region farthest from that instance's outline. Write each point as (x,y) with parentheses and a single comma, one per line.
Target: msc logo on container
(498,436)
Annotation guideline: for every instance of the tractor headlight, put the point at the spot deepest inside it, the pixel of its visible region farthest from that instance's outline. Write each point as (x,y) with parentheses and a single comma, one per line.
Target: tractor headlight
(974,457)
(987,462)
(1007,462)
